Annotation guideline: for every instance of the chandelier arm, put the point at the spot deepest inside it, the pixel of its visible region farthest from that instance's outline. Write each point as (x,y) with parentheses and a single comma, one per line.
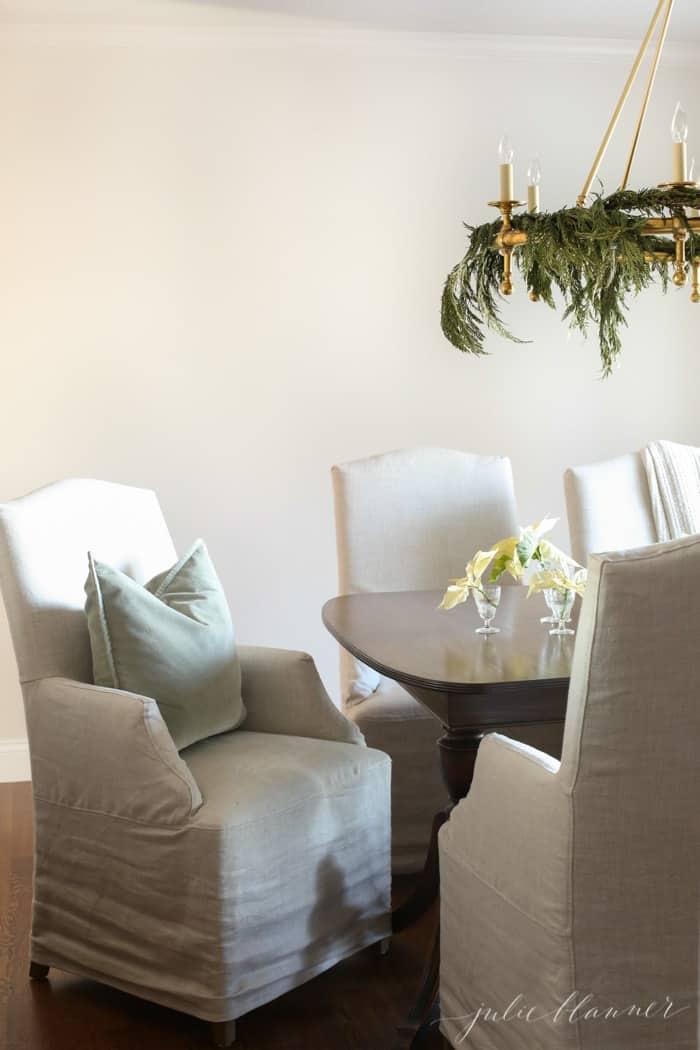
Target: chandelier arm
(647,93)
(621,102)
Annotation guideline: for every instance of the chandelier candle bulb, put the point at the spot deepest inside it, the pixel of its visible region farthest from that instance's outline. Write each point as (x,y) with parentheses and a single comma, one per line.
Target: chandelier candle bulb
(693,213)
(679,161)
(505,155)
(507,190)
(679,134)
(534,174)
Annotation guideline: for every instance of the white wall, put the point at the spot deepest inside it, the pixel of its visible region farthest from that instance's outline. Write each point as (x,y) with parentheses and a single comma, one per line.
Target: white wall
(221,259)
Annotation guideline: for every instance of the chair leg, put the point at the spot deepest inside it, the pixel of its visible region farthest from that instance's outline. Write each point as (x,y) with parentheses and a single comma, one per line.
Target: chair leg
(382,947)
(223,1033)
(38,972)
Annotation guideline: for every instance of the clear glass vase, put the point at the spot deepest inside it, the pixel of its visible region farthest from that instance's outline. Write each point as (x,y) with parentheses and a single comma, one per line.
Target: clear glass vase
(486,599)
(546,594)
(561,603)
(547,565)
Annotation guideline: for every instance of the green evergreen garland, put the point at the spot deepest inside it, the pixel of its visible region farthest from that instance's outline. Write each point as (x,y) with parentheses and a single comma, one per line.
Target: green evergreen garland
(594,256)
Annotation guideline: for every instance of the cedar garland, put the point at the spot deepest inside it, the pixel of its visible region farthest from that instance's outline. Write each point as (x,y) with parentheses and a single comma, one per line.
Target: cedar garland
(593,256)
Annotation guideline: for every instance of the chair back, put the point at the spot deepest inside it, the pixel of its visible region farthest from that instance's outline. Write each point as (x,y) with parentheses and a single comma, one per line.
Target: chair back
(44,541)
(410,520)
(630,764)
(608,506)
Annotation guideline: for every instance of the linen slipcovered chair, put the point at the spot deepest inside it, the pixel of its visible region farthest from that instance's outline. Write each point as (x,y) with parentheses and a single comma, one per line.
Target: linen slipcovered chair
(561,881)
(210,881)
(410,520)
(608,506)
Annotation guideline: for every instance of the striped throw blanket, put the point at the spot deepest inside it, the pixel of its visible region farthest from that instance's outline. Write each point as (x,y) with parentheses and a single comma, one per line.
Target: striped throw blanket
(673,472)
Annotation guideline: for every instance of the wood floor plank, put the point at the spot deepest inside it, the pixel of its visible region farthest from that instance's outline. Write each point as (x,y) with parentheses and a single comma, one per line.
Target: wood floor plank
(355,1006)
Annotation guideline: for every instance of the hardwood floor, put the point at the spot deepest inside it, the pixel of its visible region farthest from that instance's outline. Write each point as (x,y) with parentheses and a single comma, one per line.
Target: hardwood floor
(356,1006)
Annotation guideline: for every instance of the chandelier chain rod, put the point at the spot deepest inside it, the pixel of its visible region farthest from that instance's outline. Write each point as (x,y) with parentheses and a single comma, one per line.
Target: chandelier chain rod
(623,98)
(647,94)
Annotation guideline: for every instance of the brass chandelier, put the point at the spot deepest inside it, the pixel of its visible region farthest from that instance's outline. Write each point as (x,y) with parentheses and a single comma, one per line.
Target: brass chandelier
(613,245)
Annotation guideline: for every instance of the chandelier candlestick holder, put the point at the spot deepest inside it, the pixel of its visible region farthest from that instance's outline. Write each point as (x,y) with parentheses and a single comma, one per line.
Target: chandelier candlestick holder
(594,255)
(695,293)
(507,240)
(678,228)
(675,226)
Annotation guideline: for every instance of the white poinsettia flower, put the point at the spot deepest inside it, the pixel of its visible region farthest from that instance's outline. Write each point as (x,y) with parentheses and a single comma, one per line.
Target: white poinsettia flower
(541,528)
(455,594)
(557,579)
(479,564)
(458,590)
(550,552)
(513,555)
(531,539)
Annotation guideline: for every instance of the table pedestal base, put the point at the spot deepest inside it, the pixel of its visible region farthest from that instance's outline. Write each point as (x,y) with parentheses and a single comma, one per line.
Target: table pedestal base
(458,750)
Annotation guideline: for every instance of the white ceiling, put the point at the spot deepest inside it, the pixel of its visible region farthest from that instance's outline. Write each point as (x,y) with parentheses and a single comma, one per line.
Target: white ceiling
(626,19)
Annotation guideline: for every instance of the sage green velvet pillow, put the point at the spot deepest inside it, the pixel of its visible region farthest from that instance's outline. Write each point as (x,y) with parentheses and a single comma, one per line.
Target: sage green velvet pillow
(170,639)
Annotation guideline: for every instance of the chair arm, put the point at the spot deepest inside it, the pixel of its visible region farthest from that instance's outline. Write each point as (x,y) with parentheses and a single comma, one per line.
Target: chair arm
(106,751)
(283,693)
(513,828)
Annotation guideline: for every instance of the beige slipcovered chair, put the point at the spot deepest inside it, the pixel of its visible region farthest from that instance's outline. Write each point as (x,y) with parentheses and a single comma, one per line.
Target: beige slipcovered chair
(608,506)
(210,881)
(410,520)
(582,879)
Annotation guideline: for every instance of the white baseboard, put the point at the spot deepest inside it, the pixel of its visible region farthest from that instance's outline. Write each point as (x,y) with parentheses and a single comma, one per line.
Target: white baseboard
(14,760)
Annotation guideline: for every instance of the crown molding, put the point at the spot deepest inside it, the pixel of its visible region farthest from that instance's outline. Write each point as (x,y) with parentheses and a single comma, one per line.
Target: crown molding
(292,34)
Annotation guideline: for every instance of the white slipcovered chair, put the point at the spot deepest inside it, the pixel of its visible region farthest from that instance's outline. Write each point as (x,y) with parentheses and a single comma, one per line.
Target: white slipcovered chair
(210,881)
(582,879)
(410,520)
(608,506)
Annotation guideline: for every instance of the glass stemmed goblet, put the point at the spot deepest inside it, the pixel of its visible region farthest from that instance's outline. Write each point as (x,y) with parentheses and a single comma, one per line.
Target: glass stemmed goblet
(547,564)
(486,598)
(548,602)
(561,603)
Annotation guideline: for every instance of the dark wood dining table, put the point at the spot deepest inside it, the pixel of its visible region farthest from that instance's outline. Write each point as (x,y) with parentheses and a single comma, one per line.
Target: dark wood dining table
(474,684)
